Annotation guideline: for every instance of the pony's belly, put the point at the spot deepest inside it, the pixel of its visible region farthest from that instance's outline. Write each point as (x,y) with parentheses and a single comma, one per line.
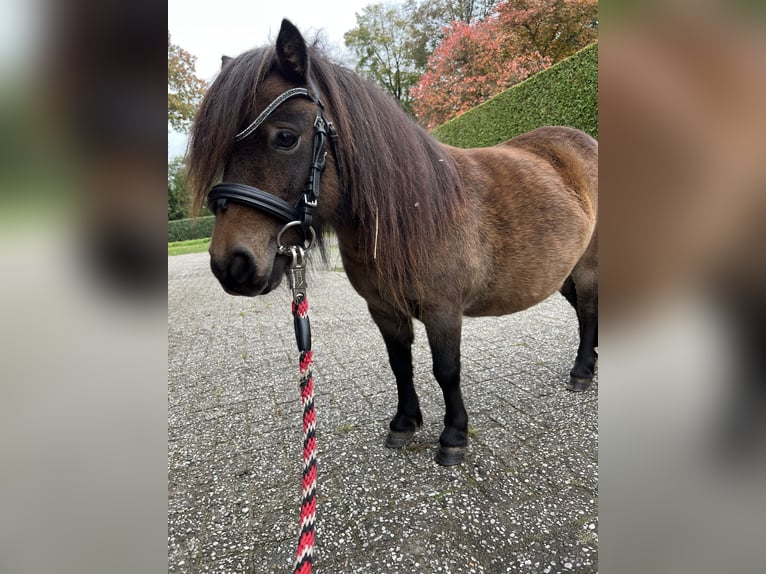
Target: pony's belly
(497,306)
(508,295)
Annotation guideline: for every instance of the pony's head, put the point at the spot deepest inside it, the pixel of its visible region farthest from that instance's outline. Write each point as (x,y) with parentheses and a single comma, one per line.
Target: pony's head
(256,130)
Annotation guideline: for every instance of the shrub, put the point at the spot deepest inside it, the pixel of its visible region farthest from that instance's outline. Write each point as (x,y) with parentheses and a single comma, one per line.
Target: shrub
(565,94)
(185,229)
(178,197)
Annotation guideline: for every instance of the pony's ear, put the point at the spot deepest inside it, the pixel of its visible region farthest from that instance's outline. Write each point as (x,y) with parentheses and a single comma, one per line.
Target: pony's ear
(225,61)
(292,55)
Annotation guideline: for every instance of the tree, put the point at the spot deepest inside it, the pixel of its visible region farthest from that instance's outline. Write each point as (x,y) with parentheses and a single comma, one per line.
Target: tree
(472,64)
(392,42)
(382,45)
(464,10)
(429,19)
(478,59)
(555,29)
(185,89)
(178,197)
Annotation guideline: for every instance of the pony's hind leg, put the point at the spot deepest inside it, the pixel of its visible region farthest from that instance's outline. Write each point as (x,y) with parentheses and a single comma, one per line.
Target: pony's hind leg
(398,335)
(581,290)
(443,329)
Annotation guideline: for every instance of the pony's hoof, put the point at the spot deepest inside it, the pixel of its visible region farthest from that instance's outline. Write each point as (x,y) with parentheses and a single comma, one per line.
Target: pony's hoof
(450,455)
(578,385)
(398,439)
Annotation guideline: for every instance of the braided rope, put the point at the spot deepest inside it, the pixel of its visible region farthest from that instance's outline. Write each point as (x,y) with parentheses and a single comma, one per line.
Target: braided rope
(305,552)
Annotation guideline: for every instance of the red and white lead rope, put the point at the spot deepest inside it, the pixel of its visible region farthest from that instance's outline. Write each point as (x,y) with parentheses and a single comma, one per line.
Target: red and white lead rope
(305,554)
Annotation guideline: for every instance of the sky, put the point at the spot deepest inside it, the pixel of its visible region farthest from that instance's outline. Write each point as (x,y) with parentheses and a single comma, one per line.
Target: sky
(209,29)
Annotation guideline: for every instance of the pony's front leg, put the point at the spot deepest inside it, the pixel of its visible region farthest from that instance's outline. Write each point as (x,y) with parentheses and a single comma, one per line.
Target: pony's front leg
(398,335)
(443,328)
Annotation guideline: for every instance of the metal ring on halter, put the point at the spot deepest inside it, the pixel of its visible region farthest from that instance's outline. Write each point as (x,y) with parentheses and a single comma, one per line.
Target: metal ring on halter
(285,249)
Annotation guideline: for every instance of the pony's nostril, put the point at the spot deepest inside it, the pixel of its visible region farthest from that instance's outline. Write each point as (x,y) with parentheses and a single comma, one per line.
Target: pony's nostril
(218,269)
(241,267)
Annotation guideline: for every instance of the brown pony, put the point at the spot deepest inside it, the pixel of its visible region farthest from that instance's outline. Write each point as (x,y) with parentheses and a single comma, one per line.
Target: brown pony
(425,231)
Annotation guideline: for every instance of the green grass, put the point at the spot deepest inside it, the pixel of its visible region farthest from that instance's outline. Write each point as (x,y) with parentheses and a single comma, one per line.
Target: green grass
(190,246)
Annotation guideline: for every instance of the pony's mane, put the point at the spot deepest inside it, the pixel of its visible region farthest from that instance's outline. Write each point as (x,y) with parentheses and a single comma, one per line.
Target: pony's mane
(401,187)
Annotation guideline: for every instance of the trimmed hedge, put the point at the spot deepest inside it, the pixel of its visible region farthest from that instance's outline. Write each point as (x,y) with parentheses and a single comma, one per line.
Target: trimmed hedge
(565,94)
(195,228)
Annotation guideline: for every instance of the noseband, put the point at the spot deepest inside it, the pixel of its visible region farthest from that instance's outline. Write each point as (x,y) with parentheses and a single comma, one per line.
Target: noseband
(293,215)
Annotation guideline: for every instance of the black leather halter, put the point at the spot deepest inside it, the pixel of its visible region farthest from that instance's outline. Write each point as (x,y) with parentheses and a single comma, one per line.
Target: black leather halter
(302,212)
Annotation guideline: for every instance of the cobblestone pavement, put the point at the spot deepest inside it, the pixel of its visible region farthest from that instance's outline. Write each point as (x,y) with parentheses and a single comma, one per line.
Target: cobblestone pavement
(525,499)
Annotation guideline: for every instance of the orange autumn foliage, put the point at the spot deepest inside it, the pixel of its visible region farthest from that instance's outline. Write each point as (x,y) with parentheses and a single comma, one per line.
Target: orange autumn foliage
(479,60)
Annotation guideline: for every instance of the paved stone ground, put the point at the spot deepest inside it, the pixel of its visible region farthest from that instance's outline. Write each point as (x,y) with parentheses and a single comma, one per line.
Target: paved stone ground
(525,499)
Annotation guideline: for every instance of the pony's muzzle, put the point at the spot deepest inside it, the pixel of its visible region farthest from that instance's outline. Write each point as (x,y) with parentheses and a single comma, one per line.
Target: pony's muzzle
(236,271)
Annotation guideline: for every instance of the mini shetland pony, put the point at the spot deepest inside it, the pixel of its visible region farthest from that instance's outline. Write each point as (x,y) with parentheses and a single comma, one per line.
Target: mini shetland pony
(426,231)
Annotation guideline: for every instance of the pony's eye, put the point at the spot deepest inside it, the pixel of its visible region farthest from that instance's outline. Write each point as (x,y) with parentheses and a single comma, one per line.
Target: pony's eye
(285,139)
